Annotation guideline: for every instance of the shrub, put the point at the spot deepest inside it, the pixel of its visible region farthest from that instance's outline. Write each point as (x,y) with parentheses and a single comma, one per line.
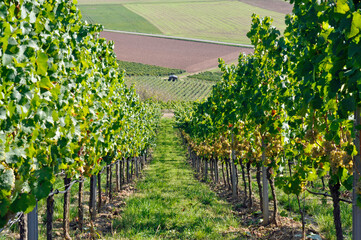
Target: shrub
(140,69)
(209,76)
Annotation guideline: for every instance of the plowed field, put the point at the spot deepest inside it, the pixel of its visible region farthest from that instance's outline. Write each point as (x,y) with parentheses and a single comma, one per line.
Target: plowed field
(188,55)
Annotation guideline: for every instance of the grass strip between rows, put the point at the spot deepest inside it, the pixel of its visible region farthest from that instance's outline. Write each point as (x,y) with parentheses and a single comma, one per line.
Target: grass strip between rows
(170,203)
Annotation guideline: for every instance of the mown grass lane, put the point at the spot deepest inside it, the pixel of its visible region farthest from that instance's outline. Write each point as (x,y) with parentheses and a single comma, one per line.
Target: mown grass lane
(170,203)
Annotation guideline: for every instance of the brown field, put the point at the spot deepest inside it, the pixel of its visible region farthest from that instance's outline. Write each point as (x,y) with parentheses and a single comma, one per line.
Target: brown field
(188,55)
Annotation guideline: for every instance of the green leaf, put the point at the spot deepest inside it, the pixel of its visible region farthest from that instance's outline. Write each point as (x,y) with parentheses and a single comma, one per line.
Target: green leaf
(3,11)
(342,6)
(23,203)
(312,175)
(42,63)
(32,17)
(348,182)
(355,25)
(7,178)
(347,107)
(4,208)
(317,101)
(3,112)
(42,189)
(45,83)
(7,59)
(358,127)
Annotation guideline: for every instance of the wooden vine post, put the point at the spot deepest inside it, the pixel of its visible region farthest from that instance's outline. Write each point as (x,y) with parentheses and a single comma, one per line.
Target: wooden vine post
(265,186)
(233,170)
(80,205)
(122,172)
(244,183)
(128,177)
(117,185)
(198,163)
(110,182)
(216,172)
(49,216)
(107,182)
(136,166)
(23,224)
(99,191)
(92,209)
(121,178)
(66,212)
(132,168)
(356,210)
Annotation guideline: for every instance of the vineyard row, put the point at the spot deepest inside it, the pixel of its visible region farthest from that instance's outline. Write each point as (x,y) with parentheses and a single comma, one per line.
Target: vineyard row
(125,171)
(64,106)
(296,100)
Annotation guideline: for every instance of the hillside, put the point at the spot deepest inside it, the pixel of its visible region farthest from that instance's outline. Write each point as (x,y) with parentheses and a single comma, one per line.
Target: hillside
(226,21)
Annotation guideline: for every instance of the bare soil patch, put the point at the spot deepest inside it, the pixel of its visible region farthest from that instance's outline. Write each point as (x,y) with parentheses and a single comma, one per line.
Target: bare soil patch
(188,55)
(167,113)
(287,228)
(103,225)
(273,5)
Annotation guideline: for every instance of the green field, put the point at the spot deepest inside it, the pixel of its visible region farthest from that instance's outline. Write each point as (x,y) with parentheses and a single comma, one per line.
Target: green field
(139,69)
(214,75)
(227,21)
(82,2)
(117,17)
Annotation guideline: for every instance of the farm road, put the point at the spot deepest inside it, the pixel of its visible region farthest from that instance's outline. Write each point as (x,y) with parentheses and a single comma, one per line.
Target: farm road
(188,55)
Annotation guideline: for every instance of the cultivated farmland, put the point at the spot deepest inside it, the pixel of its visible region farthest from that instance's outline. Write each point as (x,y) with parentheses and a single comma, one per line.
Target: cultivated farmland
(227,21)
(188,55)
(117,17)
(159,88)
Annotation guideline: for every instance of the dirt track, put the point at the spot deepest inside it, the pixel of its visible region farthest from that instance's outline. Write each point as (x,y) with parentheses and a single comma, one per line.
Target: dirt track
(187,55)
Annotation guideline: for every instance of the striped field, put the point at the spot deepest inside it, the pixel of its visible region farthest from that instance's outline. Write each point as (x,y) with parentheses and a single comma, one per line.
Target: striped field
(185,89)
(227,21)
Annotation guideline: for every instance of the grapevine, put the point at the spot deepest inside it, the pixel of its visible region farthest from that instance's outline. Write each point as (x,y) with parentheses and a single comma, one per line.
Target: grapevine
(64,106)
(294,99)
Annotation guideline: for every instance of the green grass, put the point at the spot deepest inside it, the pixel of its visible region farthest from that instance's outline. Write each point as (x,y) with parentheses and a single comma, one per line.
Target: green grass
(139,69)
(322,216)
(318,210)
(159,88)
(227,21)
(208,76)
(117,17)
(170,203)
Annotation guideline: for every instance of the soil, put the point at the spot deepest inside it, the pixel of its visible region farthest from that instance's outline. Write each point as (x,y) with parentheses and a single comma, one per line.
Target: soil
(251,219)
(187,55)
(168,115)
(102,226)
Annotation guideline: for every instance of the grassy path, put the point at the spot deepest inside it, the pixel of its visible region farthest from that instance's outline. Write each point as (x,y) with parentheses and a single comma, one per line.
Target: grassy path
(170,203)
